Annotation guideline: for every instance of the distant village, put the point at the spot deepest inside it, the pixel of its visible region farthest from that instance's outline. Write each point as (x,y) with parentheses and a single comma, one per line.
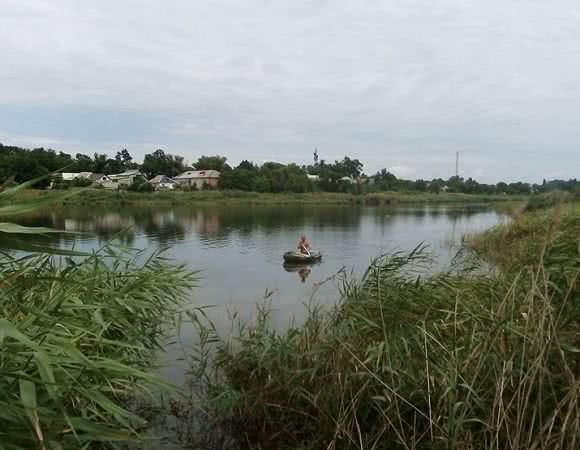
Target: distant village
(193,179)
(161,171)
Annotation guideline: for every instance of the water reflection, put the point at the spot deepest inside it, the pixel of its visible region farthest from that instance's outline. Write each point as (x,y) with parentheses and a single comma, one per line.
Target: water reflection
(247,227)
(239,248)
(303,270)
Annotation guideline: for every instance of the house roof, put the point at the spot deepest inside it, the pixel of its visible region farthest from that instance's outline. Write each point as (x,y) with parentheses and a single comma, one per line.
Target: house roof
(69,176)
(97,176)
(128,173)
(198,174)
(161,179)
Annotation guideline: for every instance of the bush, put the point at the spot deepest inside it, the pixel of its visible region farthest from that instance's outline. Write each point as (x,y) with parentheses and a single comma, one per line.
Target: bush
(548,200)
(138,182)
(146,187)
(81,182)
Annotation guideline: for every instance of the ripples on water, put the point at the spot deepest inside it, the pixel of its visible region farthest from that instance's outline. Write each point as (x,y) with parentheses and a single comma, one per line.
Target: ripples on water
(239,248)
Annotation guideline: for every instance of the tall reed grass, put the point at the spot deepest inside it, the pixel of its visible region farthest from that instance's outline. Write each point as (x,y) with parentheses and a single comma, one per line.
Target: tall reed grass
(78,337)
(456,360)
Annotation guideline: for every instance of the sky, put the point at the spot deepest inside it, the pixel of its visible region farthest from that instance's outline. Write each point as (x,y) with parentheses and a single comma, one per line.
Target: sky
(400,84)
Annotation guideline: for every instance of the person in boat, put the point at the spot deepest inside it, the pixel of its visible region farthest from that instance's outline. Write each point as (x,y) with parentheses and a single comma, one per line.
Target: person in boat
(304,246)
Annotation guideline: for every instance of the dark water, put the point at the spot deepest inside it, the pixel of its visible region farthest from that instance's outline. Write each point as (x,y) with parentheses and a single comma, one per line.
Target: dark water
(239,248)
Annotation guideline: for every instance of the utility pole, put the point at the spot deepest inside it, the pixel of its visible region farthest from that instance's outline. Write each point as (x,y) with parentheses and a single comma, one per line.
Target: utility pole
(456,164)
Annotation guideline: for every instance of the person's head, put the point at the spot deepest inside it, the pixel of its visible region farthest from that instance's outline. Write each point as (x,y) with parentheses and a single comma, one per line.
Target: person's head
(303,238)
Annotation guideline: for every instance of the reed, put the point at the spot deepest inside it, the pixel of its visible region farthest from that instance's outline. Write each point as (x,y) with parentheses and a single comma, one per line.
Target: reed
(455,360)
(78,339)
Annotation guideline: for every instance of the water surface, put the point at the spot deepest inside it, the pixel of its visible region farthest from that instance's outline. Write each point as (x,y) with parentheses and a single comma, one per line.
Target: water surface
(238,248)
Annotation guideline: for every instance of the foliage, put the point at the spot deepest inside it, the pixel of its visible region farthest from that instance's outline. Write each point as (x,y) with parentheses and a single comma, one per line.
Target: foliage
(269,177)
(81,182)
(211,163)
(455,360)
(78,338)
(139,184)
(548,200)
(161,163)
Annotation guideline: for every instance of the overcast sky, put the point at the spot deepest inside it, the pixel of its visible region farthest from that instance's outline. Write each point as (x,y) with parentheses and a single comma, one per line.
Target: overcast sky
(401,84)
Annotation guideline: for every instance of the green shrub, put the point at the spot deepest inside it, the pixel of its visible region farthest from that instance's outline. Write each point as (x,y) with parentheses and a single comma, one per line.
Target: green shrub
(81,182)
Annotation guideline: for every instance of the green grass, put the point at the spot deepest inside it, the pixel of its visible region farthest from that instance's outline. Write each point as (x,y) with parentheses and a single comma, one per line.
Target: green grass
(456,360)
(78,342)
(100,196)
(385,198)
(532,237)
(78,337)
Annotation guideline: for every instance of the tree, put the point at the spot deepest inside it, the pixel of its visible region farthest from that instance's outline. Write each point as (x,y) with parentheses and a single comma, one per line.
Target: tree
(100,164)
(161,163)
(126,160)
(211,163)
(83,163)
(351,167)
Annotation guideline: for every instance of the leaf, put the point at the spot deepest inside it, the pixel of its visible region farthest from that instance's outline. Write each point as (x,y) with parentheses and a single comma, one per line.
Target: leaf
(46,374)
(14,190)
(11,243)
(98,432)
(7,227)
(28,394)
(8,329)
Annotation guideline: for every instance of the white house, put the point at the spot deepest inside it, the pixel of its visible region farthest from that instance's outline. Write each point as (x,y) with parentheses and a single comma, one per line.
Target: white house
(347,180)
(100,178)
(70,176)
(199,178)
(161,182)
(123,179)
(313,177)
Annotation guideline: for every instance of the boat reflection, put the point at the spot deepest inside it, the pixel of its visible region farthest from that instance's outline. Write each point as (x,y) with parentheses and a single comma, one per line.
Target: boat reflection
(303,269)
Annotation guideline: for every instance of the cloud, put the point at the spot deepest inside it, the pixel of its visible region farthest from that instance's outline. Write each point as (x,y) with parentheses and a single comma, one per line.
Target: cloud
(393,83)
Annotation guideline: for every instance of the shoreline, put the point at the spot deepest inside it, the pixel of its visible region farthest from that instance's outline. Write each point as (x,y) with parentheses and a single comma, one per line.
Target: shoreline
(81,197)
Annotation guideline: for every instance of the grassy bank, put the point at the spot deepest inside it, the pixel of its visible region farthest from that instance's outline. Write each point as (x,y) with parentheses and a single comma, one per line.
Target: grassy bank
(78,340)
(457,360)
(548,227)
(100,196)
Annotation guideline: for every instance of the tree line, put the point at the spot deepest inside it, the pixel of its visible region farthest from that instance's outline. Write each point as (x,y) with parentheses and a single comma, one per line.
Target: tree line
(345,175)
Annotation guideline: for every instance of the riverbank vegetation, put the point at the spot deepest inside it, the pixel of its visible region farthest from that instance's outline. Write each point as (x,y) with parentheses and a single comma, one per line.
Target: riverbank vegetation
(461,359)
(88,196)
(345,175)
(78,339)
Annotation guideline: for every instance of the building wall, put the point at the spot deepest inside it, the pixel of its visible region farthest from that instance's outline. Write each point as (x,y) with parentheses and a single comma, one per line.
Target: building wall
(199,182)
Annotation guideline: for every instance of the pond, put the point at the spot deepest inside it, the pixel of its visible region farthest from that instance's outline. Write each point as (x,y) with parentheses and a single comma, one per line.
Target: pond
(238,248)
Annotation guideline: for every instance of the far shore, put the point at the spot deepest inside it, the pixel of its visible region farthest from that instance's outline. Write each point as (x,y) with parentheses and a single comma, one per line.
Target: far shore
(89,196)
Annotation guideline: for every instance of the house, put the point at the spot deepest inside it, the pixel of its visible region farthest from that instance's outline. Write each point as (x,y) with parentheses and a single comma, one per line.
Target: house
(313,178)
(69,176)
(199,178)
(347,180)
(100,178)
(126,177)
(162,182)
(123,179)
(445,188)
